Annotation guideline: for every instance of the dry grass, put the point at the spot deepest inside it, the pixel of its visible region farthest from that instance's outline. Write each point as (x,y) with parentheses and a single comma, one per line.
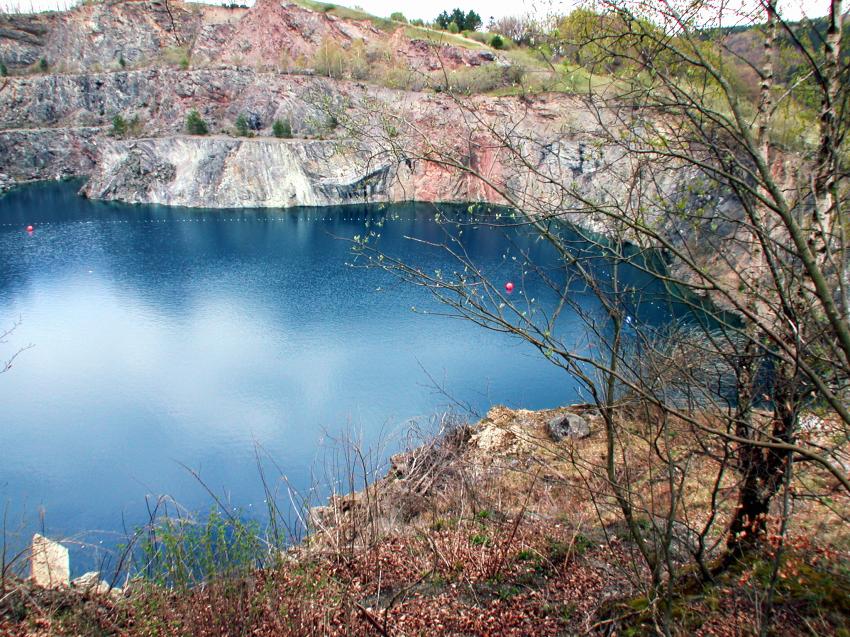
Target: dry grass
(485,529)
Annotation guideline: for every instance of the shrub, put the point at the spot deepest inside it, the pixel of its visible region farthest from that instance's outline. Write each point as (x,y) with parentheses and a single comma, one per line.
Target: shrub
(3,70)
(476,79)
(122,62)
(398,16)
(42,65)
(182,553)
(329,59)
(177,55)
(478,36)
(122,127)
(379,53)
(119,126)
(513,74)
(497,42)
(525,31)
(418,22)
(195,124)
(357,60)
(453,27)
(282,128)
(242,126)
(400,77)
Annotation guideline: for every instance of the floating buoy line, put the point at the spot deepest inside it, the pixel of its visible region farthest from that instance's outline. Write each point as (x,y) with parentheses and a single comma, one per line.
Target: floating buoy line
(39,224)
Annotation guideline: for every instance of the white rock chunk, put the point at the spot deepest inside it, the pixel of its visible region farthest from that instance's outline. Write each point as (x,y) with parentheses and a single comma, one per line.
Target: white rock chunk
(50,565)
(91,583)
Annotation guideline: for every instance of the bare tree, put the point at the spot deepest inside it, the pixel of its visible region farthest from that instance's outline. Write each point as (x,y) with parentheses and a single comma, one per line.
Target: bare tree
(6,365)
(688,169)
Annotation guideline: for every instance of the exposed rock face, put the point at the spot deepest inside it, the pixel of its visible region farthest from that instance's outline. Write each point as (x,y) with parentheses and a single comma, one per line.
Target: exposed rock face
(49,563)
(232,173)
(161,98)
(98,36)
(34,154)
(384,145)
(57,125)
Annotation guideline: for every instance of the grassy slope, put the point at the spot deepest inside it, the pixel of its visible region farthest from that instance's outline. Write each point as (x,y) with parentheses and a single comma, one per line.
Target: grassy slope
(385,24)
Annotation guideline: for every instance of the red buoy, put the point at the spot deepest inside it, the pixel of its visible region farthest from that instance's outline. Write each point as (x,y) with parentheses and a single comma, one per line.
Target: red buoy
(30,228)
(509,287)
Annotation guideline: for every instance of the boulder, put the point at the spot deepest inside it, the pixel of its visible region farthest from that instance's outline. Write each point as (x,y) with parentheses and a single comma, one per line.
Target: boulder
(568,426)
(91,583)
(87,581)
(50,564)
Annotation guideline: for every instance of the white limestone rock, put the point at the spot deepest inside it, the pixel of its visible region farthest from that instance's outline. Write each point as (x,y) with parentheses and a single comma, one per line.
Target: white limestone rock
(50,564)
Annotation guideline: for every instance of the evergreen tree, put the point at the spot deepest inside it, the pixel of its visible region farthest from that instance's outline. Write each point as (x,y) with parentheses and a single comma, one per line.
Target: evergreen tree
(195,124)
(282,128)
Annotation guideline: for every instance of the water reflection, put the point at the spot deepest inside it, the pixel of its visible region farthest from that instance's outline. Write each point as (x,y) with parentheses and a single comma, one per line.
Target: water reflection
(166,336)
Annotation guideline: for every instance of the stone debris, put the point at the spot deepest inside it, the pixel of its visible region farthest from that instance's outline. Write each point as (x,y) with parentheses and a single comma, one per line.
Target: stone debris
(568,426)
(91,583)
(50,564)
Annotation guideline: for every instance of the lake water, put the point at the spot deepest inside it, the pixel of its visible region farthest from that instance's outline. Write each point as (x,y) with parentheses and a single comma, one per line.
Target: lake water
(165,337)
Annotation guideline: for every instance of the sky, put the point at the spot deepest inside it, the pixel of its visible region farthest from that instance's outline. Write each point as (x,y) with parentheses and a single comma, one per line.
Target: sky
(429,9)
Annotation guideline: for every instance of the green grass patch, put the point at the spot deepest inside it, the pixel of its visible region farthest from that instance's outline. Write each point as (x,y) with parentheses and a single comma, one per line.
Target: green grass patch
(441,37)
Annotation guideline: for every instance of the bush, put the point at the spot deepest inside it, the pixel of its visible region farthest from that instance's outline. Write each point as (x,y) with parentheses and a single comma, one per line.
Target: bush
(122,62)
(476,79)
(3,70)
(418,22)
(497,42)
(177,55)
(195,125)
(525,31)
(122,127)
(242,126)
(357,60)
(42,65)
(329,59)
(119,126)
(183,553)
(398,16)
(453,27)
(400,77)
(380,53)
(282,128)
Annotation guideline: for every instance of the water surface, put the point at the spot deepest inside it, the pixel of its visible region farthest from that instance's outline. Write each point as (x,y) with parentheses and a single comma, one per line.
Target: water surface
(165,337)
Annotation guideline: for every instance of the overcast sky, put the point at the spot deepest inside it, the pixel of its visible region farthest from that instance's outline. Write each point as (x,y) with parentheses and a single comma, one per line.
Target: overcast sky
(429,9)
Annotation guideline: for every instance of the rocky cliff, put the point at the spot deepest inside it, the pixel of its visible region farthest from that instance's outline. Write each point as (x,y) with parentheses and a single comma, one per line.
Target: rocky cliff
(70,74)
(273,34)
(343,150)
(152,63)
(231,173)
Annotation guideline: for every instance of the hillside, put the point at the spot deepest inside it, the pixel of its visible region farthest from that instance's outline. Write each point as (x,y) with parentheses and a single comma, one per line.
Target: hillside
(130,34)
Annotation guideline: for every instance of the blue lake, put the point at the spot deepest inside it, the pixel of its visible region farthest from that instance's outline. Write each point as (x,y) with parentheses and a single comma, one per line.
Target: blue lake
(165,337)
